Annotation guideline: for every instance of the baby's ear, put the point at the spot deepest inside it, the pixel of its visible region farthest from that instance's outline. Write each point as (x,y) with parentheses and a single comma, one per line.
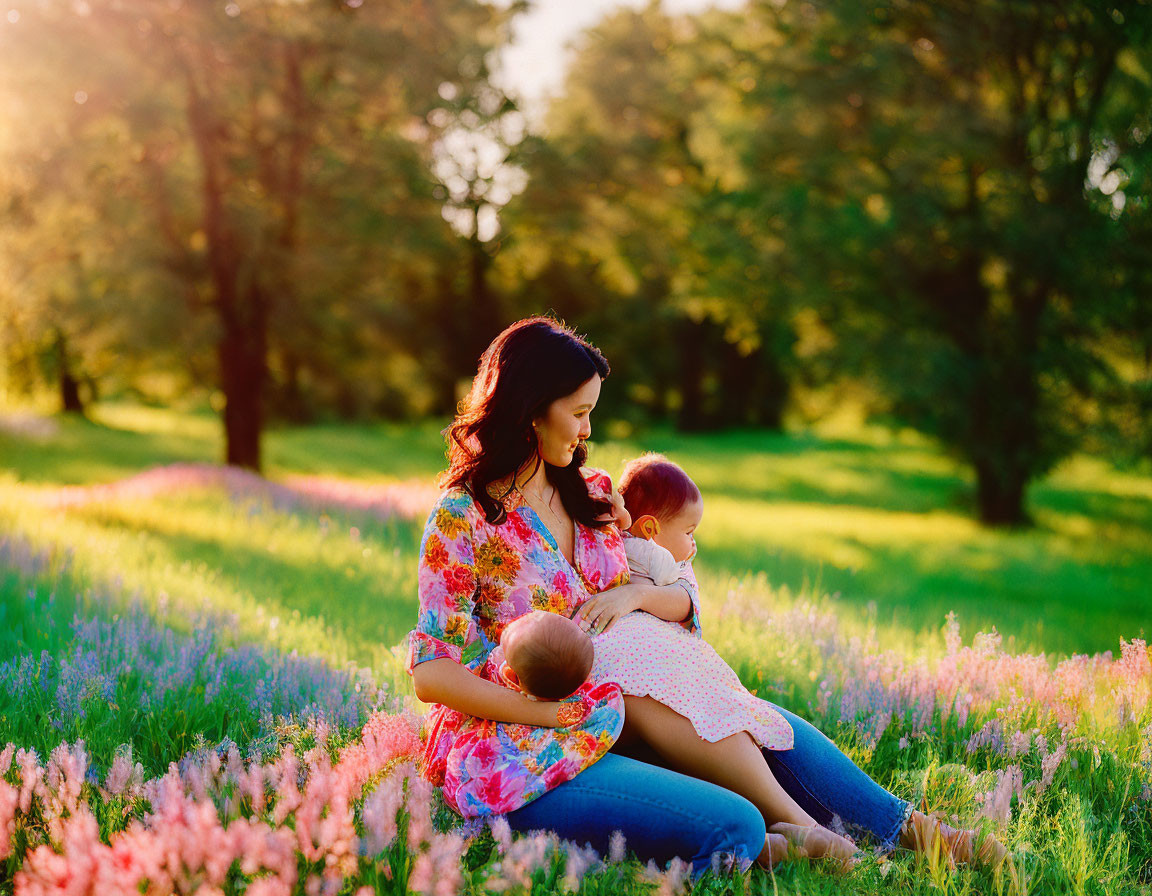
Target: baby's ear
(646,526)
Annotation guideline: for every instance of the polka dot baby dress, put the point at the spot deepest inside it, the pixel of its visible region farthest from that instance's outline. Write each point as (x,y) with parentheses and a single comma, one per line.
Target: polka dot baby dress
(651,657)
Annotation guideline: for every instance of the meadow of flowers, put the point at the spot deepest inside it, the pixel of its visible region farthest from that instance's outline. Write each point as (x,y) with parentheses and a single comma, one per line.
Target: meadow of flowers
(156,748)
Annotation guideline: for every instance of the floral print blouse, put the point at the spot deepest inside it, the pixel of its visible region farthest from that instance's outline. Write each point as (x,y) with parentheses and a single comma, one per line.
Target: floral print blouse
(474,578)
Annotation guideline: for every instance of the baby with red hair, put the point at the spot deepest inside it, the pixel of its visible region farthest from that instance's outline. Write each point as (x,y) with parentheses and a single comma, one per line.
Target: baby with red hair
(672,664)
(670,661)
(549,656)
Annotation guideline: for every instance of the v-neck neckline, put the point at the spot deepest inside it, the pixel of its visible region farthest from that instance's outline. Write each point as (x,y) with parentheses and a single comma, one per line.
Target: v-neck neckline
(550,539)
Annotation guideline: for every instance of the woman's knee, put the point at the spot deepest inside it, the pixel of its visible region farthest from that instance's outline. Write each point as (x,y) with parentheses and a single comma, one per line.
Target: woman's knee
(660,812)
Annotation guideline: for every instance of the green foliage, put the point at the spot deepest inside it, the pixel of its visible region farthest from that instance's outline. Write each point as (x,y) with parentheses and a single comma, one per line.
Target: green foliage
(944,177)
(626,229)
(271,165)
(747,209)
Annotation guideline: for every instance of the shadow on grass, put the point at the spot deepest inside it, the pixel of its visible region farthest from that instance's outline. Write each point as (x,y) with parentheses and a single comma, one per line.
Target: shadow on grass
(1073,583)
(389,450)
(908,477)
(1096,504)
(887,490)
(365,605)
(82,452)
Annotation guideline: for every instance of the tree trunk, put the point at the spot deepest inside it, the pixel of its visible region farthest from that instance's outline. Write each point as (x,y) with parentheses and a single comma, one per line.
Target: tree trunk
(286,183)
(243,372)
(292,405)
(773,392)
(1009,449)
(754,390)
(70,401)
(70,394)
(1000,495)
(243,315)
(737,386)
(483,314)
(692,416)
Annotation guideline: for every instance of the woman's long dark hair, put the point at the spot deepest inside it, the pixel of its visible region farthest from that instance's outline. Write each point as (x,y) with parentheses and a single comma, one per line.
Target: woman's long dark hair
(526,368)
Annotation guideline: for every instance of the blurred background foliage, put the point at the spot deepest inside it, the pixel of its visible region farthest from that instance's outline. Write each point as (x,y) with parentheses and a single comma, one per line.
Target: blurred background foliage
(307,211)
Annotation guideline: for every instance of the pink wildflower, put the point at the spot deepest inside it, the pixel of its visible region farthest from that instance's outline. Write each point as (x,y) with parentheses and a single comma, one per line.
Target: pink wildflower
(9,799)
(1050,764)
(124,779)
(379,814)
(1132,674)
(419,813)
(63,783)
(998,801)
(31,778)
(422,876)
(616,847)
(446,851)
(577,863)
(952,639)
(526,855)
(71,874)
(1019,743)
(675,880)
(501,833)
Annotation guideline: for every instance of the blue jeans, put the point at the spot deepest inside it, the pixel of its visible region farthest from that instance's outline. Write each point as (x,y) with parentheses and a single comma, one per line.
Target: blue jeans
(661,813)
(829,786)
(664,814)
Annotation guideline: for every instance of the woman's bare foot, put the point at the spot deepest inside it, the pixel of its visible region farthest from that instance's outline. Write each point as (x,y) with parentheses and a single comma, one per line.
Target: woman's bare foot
(928,834)
(776,849)
(818,842)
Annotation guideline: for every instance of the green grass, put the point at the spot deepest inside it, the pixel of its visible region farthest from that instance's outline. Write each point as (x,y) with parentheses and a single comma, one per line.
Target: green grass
(293,581)
(881,520)
(884,522)
(119,440)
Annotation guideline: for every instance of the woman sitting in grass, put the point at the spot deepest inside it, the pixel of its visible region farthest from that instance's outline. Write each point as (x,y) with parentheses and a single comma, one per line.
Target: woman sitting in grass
(523,526)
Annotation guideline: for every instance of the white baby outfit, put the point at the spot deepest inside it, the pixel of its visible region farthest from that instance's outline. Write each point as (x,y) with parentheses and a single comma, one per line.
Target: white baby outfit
(651,657)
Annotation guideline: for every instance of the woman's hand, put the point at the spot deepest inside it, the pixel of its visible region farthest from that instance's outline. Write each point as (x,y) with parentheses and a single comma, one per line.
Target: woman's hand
(668,602)
(601,612)
(619,513)
(551,713)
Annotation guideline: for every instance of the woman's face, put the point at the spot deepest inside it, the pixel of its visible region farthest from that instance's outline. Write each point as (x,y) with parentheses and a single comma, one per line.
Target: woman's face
(566,423)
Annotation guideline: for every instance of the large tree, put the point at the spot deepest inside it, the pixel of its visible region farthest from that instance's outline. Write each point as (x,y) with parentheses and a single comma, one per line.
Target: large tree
(632,222)
(64,285)
(281,154)
(941,165)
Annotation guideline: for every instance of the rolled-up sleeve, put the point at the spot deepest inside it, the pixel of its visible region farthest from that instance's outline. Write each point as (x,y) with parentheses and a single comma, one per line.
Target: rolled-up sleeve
(447,583)
(687,581)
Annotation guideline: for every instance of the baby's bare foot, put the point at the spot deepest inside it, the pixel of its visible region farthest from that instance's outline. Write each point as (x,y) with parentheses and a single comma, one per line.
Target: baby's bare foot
(775,850)
(818,842)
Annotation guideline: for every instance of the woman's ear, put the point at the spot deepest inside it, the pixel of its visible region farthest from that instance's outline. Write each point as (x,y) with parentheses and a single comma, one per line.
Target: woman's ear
(646,526)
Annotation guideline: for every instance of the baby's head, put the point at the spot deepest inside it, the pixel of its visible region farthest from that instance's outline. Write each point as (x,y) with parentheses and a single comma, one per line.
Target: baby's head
(664,503)
(548,655)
